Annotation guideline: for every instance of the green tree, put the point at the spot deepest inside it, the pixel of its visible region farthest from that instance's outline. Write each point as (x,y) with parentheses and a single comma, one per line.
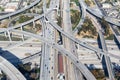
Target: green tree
(105,26)
(88,26)
(24,18)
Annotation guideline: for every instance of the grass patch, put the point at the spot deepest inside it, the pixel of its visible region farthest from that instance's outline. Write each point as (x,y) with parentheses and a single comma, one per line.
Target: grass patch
(76,1)
(88,27)
(3,38)
(98,73)
(110,37)
(75,18)
(24,18)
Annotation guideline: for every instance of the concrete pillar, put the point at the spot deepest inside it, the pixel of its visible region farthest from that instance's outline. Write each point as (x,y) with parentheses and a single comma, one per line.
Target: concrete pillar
(5,34)
(22,34)
(9,35)
(9,18)
(34,25)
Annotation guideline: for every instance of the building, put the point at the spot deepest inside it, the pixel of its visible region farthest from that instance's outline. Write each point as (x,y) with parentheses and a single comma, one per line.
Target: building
(106,5)
(11,7)
(116,3)
(3,2)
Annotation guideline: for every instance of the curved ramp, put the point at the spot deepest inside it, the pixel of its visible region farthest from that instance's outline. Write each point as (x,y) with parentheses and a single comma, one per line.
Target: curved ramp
(11,71)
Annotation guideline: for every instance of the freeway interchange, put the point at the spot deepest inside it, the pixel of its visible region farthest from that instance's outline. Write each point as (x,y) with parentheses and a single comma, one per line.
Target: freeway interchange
(49,44)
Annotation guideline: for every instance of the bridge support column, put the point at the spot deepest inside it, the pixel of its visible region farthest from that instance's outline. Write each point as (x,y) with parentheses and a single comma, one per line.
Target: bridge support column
(43,54)
(9,35)
(42,63)
(5,34)
(22,34)
(9,18)
(34,25)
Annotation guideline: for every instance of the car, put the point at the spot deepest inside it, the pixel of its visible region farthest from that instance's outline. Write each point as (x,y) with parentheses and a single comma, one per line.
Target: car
(77,61)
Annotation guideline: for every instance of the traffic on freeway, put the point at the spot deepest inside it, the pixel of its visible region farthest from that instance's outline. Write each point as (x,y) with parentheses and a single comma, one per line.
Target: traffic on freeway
(61,55)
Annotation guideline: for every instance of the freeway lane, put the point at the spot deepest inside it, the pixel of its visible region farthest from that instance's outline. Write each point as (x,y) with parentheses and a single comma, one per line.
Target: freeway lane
(25,23)
(80,42)
(78,64)
(61,30)
(44,74)
(67,43)
(20,11)
(107,59)
(10,70)
(108,19)
(51,36)
(83,44)
(48,32)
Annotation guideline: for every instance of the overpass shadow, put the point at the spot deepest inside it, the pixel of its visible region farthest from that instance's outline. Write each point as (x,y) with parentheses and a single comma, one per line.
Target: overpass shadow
(10,57)
(117,42)
(104,66)
(25,69)
(99,42)
(116,67)
(90,66)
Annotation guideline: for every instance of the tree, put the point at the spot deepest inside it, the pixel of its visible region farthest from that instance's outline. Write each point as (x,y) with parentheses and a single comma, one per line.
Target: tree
(98,73)
(105,26)
(88,26)
(24,18)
